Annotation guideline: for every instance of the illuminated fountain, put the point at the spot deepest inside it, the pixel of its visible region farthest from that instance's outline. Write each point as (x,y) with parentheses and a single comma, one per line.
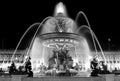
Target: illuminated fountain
(59,35)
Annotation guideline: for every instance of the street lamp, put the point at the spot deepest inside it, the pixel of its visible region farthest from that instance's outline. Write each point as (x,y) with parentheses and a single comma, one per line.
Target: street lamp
(109,40)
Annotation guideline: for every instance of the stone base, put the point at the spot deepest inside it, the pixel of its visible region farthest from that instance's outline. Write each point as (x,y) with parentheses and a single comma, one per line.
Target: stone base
(108,77)
(73,73)
(63,79)
(38,75)
(17,77)
(83,74)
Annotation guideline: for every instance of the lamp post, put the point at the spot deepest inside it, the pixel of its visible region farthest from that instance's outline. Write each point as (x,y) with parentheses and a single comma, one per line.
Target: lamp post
(109,40)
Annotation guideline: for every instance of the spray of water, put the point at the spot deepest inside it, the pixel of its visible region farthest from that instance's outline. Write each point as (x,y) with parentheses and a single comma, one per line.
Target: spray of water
(60,9)
(94,37)
(39,25)
(33,25)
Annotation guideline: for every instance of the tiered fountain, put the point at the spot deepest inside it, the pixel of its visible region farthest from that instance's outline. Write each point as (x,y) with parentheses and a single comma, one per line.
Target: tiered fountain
(61,36)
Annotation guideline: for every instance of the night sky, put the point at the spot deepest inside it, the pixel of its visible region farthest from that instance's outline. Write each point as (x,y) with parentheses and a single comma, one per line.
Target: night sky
(16,17)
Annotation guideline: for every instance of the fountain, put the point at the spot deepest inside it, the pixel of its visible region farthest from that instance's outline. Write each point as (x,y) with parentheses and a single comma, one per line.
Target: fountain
(59,45)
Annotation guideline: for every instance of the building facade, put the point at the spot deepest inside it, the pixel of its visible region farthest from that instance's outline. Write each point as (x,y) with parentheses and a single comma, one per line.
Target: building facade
(112,58)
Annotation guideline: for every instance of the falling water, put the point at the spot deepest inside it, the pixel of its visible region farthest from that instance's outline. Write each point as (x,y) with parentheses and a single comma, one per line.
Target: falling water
(33,25)
(94,37)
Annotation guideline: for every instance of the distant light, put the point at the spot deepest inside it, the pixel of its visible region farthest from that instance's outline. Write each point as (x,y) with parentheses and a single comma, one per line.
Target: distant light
(109,39)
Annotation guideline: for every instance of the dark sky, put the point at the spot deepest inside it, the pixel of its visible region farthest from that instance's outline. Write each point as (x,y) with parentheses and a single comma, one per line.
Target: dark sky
(16,17)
